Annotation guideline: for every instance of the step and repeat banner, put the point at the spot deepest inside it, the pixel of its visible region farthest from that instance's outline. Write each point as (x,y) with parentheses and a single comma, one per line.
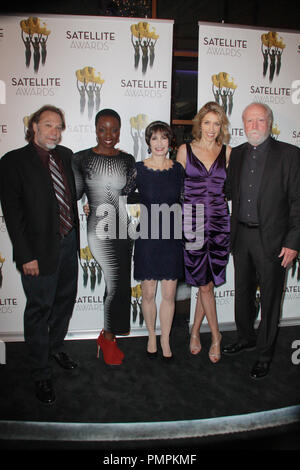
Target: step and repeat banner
(80,64)
(237,66)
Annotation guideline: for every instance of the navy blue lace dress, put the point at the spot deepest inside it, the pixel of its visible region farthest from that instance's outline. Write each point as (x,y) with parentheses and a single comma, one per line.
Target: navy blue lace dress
(158,252)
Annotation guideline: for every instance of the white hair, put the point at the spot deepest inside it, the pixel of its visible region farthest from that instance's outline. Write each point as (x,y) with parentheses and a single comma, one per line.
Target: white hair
(266,108)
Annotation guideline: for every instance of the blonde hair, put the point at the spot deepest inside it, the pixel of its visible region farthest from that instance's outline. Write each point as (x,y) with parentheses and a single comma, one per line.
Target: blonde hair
(212,107)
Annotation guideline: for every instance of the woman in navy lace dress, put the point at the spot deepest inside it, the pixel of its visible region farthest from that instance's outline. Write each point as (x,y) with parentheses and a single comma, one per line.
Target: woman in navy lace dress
(158,252)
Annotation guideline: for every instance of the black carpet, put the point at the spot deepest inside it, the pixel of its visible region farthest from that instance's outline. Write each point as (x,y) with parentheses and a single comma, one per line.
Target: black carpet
(150,390)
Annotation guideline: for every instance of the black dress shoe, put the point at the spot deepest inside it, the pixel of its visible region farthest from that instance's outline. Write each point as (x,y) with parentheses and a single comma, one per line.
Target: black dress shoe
(44,391)
(238,347)
(260,370)
(64,360)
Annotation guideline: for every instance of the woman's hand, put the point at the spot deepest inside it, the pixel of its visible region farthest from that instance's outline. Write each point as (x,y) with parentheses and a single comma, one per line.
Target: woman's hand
(86,209)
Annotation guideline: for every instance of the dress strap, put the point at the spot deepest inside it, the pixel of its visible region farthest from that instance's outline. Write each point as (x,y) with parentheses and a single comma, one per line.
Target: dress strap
(223,153)
(188,153)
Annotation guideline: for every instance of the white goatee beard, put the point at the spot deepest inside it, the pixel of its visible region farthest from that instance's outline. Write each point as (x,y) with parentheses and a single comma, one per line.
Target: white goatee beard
(257,140)
(51,146)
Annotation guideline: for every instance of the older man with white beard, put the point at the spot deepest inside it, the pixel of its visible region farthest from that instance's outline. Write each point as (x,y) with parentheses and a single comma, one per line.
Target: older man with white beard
(264,186)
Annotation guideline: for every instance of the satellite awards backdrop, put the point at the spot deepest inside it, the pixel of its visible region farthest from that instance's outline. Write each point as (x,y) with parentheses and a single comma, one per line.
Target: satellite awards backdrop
(82,64)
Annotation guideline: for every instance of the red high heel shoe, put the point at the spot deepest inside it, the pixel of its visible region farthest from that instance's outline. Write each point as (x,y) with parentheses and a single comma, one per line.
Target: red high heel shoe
(112,355)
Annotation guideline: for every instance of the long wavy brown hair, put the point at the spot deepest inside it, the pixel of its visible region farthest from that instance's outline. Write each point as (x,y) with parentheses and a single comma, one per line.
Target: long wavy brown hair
(35,117)
(212,107)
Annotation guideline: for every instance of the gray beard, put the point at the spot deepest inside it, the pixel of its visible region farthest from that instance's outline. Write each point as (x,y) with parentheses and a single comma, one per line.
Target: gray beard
(256,142)
(51,146)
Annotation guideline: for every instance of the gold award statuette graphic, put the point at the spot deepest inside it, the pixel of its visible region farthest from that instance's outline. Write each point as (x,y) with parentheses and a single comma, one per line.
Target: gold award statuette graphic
(133,212)
(143,41)
(275,132)
(223,88)
(272,48)
(34,36)
(91,269)
(136,295)
(89,84)
(138,125)
(1,265)
(25,122)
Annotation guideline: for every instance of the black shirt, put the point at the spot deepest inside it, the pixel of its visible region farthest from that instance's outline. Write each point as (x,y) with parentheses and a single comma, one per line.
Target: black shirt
(252,170)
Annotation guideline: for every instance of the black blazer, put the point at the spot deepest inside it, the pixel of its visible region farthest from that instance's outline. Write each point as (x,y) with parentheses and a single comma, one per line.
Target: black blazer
(278,199)
(30,207)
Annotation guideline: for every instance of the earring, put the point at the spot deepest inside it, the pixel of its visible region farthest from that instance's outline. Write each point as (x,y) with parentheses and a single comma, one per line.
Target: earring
(149,150)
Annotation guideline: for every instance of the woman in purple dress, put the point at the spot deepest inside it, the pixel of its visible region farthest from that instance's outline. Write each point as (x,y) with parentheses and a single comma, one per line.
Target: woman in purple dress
(205,161)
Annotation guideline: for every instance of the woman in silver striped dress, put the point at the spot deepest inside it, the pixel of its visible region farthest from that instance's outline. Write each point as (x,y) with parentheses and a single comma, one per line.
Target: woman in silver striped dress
(105,174)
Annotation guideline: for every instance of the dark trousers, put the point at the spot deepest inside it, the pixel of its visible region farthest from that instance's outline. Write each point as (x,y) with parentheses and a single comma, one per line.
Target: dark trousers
(49,307)
(252,269)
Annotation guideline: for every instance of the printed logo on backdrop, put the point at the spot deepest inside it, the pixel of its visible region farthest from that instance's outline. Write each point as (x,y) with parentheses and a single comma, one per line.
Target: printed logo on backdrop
(292,291)
(93,40)
(91,279)
(34,36)
(3,131)
(2,260)
(2,92)
(275,132)
(224,46)
(272,47)
(136,304)
(3,228)
(223,88)
(143,41)
(25,122)
(91,271)
(7,304)
(295,92)
(138,125)
(225,296)
(89,84)
(296,137)
(2,83)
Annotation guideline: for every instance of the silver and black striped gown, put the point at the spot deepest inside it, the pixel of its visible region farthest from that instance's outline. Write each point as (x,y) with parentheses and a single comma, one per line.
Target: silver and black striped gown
(104,179)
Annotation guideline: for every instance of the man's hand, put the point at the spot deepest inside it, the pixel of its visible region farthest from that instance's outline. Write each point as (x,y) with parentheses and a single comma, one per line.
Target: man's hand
(31,268)
(288,256)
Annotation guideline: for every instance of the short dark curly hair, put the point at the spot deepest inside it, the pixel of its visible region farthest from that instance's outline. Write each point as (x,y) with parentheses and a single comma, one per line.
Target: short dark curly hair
(108,112)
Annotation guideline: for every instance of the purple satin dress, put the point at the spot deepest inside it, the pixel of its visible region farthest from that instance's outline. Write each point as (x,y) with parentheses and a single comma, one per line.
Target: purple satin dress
(206,263)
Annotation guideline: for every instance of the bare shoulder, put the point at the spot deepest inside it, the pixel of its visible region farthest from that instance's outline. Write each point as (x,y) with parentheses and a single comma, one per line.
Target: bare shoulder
(181,155)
